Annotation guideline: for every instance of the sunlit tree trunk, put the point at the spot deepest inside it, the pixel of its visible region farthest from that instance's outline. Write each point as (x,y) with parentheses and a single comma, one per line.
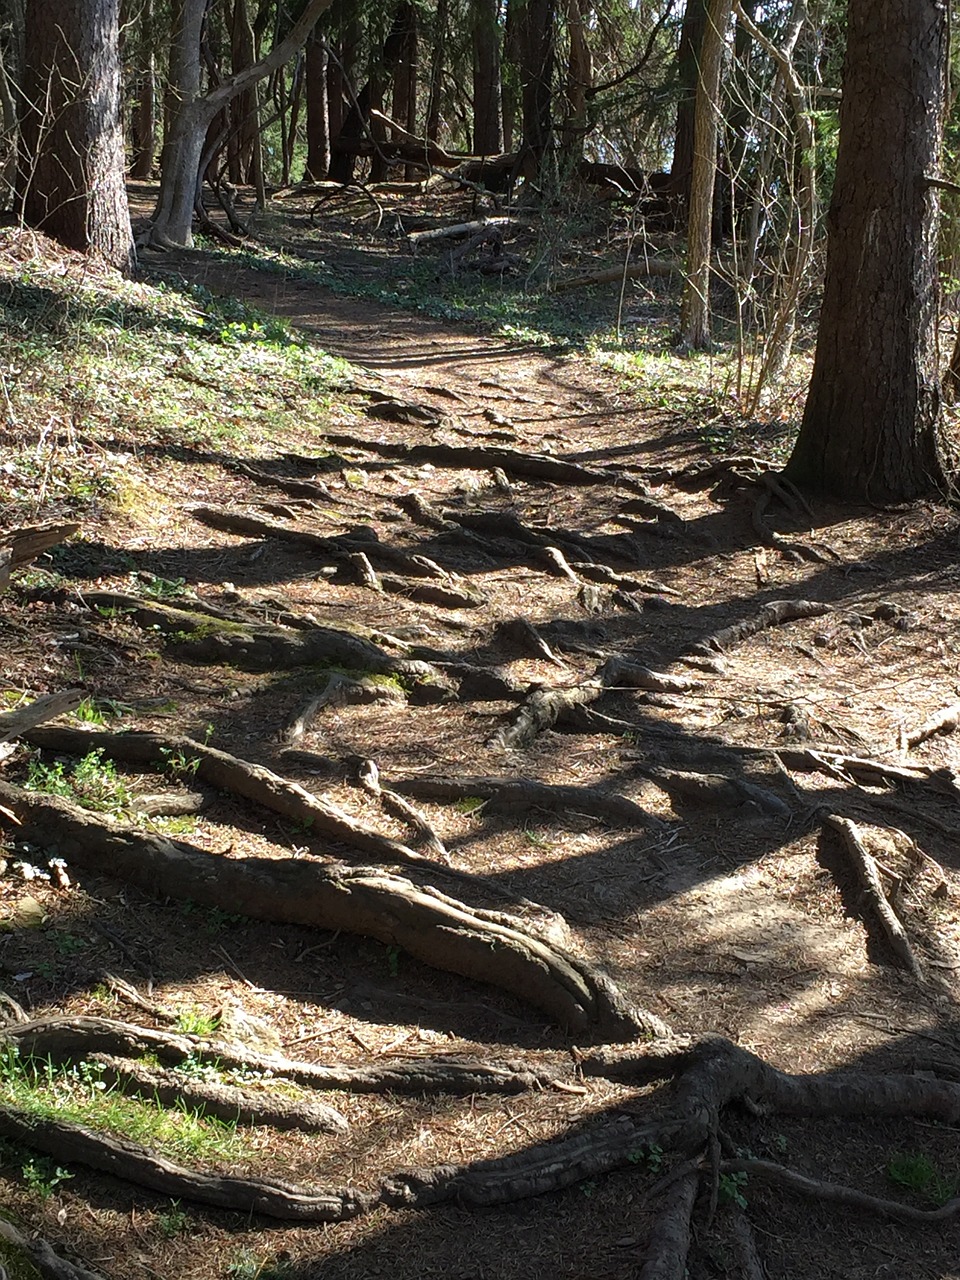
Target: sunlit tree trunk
(71,180)
(872,427)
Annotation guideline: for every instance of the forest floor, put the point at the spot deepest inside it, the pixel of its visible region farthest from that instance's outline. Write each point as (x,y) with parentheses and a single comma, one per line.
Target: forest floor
(573,528)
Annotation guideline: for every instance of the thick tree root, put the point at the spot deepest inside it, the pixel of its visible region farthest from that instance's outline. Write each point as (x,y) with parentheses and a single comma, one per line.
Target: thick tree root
(40,1254)
(396,805)
(130,1161)
(526,794)
(226,772)
(259,647)
(225,1101)
(438,930)
(66,1039)
(521,465)
(541,711)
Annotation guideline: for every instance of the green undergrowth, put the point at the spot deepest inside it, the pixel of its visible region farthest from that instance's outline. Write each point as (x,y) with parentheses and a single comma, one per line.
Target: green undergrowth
(78,1094)
(99,373)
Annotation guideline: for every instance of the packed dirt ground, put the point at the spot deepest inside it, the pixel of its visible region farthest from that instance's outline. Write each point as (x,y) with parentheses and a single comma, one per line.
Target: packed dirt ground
(551,581)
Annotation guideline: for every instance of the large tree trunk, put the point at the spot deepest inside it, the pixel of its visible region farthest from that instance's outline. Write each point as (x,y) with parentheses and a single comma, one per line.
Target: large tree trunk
(143,119)
(872,425)
(579,81)
(71,178)
(487,121)
(437,62)
(318,109)
(695,308)
(537,49)
(688,75)
(191,115)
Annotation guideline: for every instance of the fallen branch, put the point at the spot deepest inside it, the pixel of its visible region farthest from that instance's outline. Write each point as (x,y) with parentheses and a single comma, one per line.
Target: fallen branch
(663,267)
(868,876)
(19,547)
(46,707)
(945,721)
(774,614)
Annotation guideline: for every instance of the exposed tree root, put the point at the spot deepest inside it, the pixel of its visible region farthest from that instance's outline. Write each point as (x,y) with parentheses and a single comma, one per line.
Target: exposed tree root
(252,782)
(225,1101)
(41,1256)
(542,710)
(525,634)
(774,614)
(716,789)
(128,1160)
(337,550)
(66,1039)
(259,647)
(485,946)
(945,721)
(313,489)
(669,1241)
(869,772)
(339,691)
(629,675)
(868,876)
(522,465)
(832,1193)
(711,1074)
(402,809)
(525,793)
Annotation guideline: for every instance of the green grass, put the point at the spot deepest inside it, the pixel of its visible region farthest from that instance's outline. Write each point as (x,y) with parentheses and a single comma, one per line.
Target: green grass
(79,1095)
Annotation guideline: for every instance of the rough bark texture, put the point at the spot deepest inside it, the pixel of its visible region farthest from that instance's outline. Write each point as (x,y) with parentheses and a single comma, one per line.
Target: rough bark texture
(318,109)
(871,428)
(695,310)
(71,159)
(487,120)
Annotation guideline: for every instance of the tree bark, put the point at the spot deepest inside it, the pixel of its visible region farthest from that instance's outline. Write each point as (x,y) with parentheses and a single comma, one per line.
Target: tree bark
(192,113)
(872,425)
(71,180)
(441,21)
(318,110)
(688,62)
(695,308)
(537,50)
(487,120)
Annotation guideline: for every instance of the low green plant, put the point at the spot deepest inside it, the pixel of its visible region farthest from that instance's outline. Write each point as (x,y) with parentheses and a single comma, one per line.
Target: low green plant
(88,712)
(173,1222)
(162,588)
(393,961)
(43,1177)
(730,1189)
(918,1173)
(197,1022)
(92,782)
(247,1265)
(651,1157)
(469,804)
(78,1094)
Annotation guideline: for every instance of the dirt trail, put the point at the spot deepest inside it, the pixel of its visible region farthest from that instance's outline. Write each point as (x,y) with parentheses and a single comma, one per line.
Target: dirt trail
(592,633)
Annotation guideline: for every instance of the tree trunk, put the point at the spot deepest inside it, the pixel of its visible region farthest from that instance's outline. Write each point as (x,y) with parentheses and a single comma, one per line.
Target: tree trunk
(579,81)
(436,70)
(318,109)
(537,49)
(872,425)
(404,106)
(688,74)
(191,115)
(71,180)
(487,121)
(144,118)
(695,308)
